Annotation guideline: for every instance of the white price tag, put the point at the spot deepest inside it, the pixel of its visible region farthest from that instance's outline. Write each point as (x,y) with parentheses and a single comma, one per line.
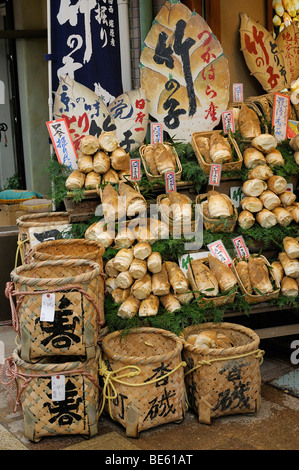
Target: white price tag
(170,181)
(236,195)
(135,172)
(215,174)
(58,387)
(48,307)
(156,133)
(241,247)
(218,250)
(185,260)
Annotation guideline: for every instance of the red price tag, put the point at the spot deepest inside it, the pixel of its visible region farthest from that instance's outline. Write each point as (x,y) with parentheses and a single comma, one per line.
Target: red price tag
(215,174)
(135,169)
(170,181)
(241,247)
(228,121)
(218,250)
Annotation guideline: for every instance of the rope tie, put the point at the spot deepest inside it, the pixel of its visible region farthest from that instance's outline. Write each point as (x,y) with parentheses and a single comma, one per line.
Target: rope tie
(258,354)
(10,293)
(19,251)
(110,376)
(13,374)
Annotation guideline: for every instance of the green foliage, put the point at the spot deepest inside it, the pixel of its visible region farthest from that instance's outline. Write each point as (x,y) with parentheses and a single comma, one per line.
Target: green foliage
(191,171)
(13,182)
(57,175)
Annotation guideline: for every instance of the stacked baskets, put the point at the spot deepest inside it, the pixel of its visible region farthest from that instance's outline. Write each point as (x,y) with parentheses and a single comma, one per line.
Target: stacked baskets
(57,311)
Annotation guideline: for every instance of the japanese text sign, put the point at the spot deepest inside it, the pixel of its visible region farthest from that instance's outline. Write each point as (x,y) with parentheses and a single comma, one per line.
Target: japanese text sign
(280,116)
(62,143)
(218,250)
(215,174)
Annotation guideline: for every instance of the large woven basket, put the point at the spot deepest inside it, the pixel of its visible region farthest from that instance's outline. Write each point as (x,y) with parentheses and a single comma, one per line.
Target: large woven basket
(256,297)
(223,381)
(155,178)
(216,225)
(143,378)
(182,228)
(217,300)
(69,249)
(43,416)
(226,167)
(50,221)
(79,297)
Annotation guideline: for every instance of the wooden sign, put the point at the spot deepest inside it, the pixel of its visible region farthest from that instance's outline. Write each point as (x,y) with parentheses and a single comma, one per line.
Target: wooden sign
(288,43)
(280,116)
(62,143)
(263,56)
(184,72)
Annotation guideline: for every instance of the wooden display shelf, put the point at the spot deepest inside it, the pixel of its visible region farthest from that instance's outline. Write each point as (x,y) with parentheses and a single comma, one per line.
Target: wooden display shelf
(83,210)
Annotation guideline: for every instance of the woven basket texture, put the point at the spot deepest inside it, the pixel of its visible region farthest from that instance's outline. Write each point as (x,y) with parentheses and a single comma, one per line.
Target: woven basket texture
(69,249)
(153,178)
(77,414)
(154,352)
(79,301)
(45,219)
(225,225)
(182,228)
(225,381)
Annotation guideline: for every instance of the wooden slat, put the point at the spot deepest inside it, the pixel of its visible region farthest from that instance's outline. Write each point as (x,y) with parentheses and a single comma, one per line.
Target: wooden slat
(275,331)
(213,17)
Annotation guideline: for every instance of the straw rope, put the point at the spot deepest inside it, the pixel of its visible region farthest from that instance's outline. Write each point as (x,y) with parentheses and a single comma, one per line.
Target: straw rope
(19,251)
(110,377)
(10,293)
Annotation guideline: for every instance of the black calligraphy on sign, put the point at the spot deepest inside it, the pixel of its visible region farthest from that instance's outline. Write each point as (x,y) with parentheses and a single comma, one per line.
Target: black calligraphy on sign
(163,55)
(65,411)
(236,396)
(61,332)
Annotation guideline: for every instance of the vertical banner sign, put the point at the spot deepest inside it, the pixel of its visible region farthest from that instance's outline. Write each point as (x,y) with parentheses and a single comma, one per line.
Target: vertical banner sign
(218,250)
(228,121)
(85,45)
(240,247)
(280,116)
(237,92)
(62,143)
(215,174)
(156,133)
(135,169)
(170,181)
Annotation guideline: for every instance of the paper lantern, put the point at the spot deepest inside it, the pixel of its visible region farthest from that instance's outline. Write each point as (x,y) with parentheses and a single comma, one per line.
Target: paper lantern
(184,72)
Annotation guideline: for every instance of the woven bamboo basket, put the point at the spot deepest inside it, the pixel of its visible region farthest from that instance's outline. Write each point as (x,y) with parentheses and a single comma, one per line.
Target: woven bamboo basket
(226,167)
(44,416)
(153,178)
(182,228)
(225,225)
(218,300)
(47,220)
(265,103)
(78,288)
(257,298)
(261,108)
(223,381)
(69,249)
(146,372)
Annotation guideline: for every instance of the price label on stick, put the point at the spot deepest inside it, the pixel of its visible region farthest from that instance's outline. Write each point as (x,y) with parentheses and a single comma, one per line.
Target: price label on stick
(170,181)
(135,172)
(240,247)
(218,250)
(238,92)
(156,133)
(280,116)
(228,121)
(215,174)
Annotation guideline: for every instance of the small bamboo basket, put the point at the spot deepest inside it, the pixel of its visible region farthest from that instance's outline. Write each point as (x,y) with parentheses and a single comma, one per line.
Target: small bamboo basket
(257,298)
(78,289)
(69,249)
(223,381)
(155,178)
(184,227)
(225,225)
(218,300)
(44,416)
(46,220)
(226,167)
(145,371)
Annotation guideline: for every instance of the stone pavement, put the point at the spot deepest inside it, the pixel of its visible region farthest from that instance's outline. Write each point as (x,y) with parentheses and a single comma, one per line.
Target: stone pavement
(274,427)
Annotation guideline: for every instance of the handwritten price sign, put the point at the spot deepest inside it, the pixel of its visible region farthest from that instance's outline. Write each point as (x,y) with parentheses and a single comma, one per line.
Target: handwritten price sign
(280,116)
(62,142)
(215,174)
(218,250)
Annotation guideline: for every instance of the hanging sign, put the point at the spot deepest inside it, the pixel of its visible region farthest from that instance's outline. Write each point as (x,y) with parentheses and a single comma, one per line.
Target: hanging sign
(215,174)
(62,143)
(240,247)
(280,116)
(218,250)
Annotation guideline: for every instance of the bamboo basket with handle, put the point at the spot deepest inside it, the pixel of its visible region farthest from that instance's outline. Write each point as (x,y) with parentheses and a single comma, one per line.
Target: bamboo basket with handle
(146,372)
(216,225)
(45,415)
(156,178)
(183,227)
(223,381)
(78,291)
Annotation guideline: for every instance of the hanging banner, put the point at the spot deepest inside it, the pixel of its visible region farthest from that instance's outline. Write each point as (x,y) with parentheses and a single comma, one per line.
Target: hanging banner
(85,45)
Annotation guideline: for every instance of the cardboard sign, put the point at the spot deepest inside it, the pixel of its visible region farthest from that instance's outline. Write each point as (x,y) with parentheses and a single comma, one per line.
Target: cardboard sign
(62,143)
(215,174)
(218,250)
(236,195)
(135,165)
(185,260)
(238,92)
(240,247)
(156,133)
(170,181)
(280,117)
(228,121)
